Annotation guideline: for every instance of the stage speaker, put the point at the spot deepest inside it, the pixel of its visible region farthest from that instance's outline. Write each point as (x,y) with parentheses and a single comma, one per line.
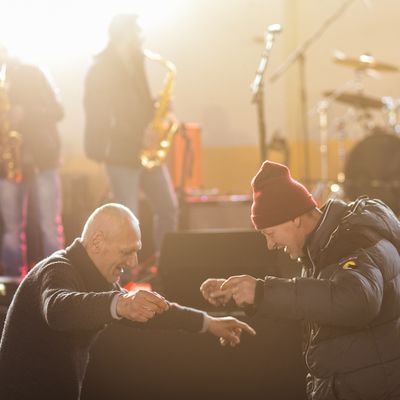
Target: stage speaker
(215,212)
(189,257)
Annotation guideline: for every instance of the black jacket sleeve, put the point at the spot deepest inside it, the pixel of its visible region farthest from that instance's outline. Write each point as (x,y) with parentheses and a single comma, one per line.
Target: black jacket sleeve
(351,297)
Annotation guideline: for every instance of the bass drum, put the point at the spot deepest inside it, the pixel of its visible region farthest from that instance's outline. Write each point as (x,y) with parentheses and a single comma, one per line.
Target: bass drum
(373,169)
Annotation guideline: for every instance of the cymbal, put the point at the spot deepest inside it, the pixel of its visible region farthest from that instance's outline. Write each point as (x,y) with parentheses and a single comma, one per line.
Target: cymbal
(357,100)
(365,61)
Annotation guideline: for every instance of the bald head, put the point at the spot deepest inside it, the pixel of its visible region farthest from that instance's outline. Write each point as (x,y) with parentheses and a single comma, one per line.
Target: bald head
(109,219)
(111,237)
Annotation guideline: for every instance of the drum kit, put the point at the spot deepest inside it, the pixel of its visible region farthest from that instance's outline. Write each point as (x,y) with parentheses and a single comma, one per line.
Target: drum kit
(372,166)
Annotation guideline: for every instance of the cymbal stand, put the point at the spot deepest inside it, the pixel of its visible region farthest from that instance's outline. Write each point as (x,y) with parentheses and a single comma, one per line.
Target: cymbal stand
(341,129)
(320,190)
(300,55)
(257,88)
(392,106)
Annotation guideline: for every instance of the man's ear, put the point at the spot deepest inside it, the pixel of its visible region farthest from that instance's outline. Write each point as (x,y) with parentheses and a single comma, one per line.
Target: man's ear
(297,222)
(97,241)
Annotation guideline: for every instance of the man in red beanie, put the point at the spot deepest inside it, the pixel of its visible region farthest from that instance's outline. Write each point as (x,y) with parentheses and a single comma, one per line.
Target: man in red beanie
(348,296)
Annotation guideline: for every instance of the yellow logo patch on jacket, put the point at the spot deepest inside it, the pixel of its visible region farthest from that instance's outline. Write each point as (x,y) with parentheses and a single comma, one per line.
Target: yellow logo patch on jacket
(350,263)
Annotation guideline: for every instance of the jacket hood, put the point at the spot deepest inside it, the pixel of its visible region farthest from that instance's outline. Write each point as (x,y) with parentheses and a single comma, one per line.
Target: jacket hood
(371,214)
(375,215)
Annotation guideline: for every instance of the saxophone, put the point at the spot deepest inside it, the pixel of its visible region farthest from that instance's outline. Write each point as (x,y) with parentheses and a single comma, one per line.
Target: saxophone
(163,125)
(10,140)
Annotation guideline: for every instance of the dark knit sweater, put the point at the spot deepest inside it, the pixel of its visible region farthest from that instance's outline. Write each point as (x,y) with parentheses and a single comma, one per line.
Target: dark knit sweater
(56,314)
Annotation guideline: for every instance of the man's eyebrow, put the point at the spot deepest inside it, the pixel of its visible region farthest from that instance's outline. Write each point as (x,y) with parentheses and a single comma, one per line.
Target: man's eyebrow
(129,250)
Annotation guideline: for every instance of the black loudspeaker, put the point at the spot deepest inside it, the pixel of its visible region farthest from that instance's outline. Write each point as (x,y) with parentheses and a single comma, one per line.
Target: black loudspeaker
(216,212)
(188,258)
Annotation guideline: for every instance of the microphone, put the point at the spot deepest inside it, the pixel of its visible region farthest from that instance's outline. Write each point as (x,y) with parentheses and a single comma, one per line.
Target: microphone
(274,28)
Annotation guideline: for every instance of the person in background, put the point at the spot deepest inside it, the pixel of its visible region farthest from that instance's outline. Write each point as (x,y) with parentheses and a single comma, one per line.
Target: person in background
(119,109)
(348,296)
(29,160)
(68,298)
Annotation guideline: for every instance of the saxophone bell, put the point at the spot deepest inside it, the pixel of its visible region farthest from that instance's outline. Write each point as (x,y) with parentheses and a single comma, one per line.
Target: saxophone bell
(163,127)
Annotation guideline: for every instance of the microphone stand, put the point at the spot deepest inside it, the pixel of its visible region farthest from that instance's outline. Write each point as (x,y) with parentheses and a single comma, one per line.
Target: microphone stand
(299,54)
(257,88)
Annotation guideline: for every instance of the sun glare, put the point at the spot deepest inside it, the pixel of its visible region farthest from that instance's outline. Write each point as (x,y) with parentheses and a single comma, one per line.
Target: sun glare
(48,29)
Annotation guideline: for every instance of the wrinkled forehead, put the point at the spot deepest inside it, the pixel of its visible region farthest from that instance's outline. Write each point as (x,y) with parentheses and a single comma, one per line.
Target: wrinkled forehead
(131,228)
(273,230)
(269,232)
(124,229)
(135,235)
(128,237)
(130,246)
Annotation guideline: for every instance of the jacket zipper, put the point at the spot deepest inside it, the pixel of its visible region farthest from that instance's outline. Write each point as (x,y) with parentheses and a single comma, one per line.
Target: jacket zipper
(309,325)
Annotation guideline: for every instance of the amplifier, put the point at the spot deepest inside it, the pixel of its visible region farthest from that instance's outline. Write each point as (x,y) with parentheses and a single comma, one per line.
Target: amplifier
(216,212)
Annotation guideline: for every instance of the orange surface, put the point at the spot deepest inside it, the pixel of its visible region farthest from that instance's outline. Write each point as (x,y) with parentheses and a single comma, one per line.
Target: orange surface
(185,158)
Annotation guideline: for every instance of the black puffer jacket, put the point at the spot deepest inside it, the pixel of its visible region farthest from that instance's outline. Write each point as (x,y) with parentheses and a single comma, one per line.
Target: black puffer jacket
(349,298)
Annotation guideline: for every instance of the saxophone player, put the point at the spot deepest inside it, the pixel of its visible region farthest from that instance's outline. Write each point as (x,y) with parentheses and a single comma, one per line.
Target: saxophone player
(119,109)
(33,112)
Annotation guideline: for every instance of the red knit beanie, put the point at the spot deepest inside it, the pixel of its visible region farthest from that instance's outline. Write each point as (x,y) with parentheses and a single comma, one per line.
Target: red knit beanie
(277,197)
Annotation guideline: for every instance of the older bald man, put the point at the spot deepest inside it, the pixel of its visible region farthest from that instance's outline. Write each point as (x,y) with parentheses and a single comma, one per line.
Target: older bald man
(68,298)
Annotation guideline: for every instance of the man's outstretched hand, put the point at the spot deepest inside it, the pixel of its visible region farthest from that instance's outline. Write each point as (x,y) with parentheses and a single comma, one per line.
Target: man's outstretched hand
(211,291)
(228,329)
(240,288)
(141,306)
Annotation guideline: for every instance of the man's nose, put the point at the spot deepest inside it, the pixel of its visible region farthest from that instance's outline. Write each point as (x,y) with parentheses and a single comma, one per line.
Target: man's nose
(132,261)
(270,244)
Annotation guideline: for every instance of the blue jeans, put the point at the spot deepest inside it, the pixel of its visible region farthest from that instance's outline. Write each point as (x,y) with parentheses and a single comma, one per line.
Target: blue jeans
(45,186)
(156,184)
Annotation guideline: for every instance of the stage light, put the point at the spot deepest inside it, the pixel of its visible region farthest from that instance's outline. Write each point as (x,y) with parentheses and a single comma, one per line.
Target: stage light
(335,188)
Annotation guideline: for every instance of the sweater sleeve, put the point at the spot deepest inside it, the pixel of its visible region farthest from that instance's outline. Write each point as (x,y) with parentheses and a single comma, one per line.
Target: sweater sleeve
(66,308)
(351,297)
(176,318)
